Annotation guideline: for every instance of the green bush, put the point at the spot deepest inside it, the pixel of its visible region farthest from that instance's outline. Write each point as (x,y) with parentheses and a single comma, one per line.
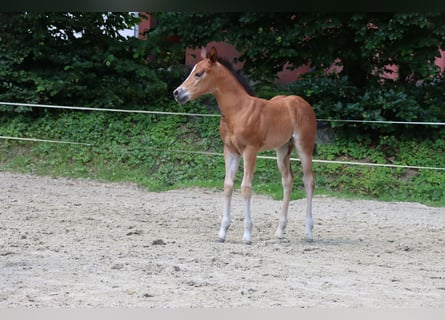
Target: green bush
(337,99)
(76,59)
(153,151)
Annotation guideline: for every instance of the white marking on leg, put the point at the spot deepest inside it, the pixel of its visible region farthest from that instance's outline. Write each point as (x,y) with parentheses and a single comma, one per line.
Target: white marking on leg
(247,236)
(226,221)
(246,190)
(231,162)
(308,180)
(283,155)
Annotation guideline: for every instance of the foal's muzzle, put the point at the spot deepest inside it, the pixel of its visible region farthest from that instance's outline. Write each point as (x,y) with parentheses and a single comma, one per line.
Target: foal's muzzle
(181,95)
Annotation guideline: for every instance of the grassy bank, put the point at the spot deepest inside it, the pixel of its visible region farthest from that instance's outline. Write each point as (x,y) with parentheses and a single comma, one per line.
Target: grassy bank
(144,148)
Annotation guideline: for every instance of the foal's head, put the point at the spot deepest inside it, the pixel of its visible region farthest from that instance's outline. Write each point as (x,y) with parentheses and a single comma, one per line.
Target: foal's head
(201,79)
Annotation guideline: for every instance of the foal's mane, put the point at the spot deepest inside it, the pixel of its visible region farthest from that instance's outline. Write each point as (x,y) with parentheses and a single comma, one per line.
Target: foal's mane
(244,82)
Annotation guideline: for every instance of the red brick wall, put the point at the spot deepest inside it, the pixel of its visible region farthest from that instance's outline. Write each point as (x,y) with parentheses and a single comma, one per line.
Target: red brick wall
(441,61)
(145,24)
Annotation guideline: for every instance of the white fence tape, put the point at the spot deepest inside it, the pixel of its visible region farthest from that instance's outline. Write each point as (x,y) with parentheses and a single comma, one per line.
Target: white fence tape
(217,115)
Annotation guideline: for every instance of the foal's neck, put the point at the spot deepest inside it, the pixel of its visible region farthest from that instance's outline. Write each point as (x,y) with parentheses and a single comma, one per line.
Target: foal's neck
(232,98)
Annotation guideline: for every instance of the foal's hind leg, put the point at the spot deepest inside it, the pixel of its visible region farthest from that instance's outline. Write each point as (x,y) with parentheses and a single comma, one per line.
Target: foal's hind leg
(283,161)
(304,148)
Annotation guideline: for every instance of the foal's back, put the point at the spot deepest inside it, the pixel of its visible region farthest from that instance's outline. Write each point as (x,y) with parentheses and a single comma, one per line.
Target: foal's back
(283,118)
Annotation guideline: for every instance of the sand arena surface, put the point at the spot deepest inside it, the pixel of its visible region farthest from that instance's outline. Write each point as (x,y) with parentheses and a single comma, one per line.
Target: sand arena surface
(81,243)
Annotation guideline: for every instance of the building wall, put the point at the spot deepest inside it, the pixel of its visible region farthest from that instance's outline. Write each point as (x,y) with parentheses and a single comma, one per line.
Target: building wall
(441,61)
(145,25)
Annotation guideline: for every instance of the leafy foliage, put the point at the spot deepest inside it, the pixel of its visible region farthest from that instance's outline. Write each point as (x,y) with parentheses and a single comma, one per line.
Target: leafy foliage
(336,98)
(75,59)
(365,48)
(145,149)
(81,59)
(365,43)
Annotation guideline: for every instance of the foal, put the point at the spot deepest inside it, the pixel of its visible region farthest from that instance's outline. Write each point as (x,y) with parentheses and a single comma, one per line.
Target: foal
(249,125)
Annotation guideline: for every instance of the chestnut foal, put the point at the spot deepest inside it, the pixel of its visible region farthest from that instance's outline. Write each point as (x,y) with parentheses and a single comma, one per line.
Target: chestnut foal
(249,125)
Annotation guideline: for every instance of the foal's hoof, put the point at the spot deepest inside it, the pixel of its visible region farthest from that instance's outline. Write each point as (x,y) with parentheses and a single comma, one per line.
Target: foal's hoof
(279,235)
(310,240)
(220,240)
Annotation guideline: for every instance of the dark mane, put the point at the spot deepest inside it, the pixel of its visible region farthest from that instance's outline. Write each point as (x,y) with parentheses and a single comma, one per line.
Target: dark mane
(240,77)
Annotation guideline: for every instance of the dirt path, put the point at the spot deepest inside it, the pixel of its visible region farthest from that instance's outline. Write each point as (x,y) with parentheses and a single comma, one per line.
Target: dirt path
(84,243)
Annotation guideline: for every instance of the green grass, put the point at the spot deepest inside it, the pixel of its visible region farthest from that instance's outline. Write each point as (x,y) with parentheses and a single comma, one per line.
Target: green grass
(138,148)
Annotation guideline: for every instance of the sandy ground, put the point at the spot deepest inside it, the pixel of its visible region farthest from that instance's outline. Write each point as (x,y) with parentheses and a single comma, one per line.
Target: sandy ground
(80,243)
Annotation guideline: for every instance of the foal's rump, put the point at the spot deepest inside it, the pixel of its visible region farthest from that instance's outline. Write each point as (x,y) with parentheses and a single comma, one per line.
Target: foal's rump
(300,109)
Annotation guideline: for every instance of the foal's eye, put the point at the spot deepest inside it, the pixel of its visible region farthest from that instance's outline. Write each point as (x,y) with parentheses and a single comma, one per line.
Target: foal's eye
(199,74)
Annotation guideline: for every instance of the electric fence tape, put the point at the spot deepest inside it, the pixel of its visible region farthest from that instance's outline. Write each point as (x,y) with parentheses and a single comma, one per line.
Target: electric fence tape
(217,115)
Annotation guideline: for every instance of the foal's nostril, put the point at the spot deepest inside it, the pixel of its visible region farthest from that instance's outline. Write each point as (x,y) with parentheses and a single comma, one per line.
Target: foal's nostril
(181,95)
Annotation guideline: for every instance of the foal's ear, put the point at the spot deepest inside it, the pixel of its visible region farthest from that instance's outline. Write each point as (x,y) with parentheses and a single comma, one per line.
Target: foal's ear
(213,55)
(203,53)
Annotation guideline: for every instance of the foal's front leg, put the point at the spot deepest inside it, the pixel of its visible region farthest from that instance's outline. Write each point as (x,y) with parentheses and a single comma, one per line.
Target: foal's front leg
(249,157)
(231,161)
